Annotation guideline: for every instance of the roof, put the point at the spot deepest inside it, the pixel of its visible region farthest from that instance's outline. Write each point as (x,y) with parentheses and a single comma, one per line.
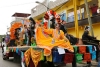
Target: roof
(21,15)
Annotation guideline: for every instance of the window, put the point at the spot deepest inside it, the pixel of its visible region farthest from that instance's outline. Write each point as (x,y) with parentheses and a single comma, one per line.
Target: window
(70,17)
(63,15)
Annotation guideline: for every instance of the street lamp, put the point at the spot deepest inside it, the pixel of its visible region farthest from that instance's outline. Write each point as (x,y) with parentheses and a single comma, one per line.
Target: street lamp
(47,9)
(42,4)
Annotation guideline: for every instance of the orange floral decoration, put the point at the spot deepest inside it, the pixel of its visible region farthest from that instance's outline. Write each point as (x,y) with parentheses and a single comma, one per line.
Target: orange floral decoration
(13,27)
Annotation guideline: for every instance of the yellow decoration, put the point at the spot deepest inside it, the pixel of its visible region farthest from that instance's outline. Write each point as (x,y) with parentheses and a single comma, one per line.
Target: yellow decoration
(36,56)
(27,57)
(46,42)
(49,58)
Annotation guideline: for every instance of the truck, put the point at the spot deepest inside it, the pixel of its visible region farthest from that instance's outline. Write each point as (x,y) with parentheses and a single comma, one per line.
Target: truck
(18,51)
(11,50)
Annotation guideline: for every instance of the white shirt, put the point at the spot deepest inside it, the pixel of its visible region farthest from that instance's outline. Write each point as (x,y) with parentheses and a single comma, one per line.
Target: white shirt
(98,10)
(3,44)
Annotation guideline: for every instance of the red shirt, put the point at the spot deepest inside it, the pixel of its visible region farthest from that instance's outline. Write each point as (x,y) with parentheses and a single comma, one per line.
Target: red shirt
(94,9)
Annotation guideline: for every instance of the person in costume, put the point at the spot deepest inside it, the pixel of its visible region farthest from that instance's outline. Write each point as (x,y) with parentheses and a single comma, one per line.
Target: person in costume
(25,35)
(17,36)
(90,40)
(49,38)
(86,37)
(32,26)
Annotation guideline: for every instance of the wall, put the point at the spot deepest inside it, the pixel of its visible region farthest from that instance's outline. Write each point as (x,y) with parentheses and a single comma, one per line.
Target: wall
(96,30)
(68,7)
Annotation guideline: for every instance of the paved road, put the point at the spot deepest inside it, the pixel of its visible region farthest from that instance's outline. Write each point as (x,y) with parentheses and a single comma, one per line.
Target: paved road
(11,63)
(8,63)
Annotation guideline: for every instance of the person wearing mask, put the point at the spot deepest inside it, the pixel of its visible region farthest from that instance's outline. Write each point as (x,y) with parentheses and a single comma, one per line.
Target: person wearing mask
(32,26)
(87,38)
(90,40)
(49,38)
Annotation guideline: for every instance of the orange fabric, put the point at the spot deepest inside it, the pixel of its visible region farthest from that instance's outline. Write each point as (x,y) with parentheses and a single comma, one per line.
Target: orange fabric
(46,41)
(12,36)
(36,56)
(27,57)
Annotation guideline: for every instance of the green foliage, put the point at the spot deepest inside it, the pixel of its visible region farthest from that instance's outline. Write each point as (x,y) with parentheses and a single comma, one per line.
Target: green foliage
(1,37)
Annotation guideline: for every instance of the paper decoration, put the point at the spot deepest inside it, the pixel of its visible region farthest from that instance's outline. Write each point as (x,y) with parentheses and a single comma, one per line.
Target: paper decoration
(12,50)
(17,50)
(75,49)
(79,57)
(42,56)
(22,54)
(89,48)
(68,58)
(94,47)
(49,58)
(93,55)
(87,57)
(57,58)
(61,51)
(82,49)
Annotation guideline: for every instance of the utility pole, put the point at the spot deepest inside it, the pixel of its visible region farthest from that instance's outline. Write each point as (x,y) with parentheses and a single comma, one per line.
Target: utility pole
(47,1)
(89,18)
(76,18)
(47,6)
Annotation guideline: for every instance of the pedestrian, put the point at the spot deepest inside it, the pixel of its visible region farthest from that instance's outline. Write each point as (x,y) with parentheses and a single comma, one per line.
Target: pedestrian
(3,44)
(94,9)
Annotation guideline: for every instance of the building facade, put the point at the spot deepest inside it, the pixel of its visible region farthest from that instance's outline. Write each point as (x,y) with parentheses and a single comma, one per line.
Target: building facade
(65,8)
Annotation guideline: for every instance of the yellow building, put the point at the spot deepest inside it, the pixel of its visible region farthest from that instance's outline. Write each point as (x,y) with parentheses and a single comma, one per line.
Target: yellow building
(65,8)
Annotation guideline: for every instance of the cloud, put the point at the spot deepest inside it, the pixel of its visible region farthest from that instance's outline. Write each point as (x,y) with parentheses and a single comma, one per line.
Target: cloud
(9,7)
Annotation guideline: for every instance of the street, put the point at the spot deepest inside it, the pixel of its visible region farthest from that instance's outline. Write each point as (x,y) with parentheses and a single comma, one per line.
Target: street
(7,63)
(11,63)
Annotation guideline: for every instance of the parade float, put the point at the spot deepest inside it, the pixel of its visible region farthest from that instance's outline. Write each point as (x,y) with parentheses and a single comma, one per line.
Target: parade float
(45,50)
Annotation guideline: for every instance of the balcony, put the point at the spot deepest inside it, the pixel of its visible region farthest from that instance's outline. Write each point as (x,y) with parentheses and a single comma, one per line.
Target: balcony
(95,19)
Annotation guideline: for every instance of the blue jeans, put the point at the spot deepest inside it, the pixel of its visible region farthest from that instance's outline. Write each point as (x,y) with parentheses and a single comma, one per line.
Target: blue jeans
(98,64)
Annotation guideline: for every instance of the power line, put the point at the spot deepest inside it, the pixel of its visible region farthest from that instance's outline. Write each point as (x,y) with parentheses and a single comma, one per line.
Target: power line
(17,5)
